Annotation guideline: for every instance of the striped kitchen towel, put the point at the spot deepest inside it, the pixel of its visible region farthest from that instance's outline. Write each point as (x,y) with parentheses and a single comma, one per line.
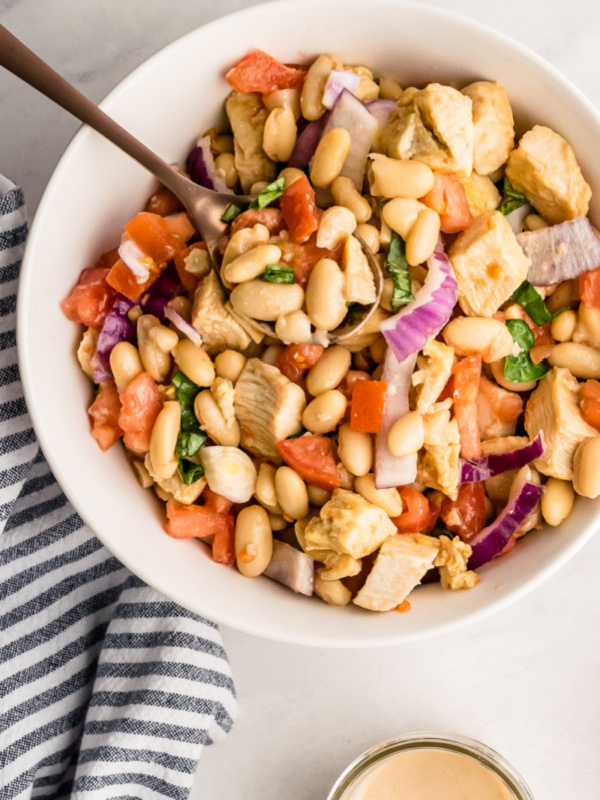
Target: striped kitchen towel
(107,689)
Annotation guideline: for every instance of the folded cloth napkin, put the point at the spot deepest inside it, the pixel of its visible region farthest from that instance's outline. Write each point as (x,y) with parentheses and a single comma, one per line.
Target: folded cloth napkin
(107,689)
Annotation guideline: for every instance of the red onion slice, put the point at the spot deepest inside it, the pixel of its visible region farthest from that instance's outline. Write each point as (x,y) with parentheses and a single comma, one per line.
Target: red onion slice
(391,471)
(516,218)
(492,540)
(480,469)
(202,169)
(162,291)
(561,252)
(292,568)
(414,325)
(117,328)
(338,80)
(349,113)
(183,325)
(306,143)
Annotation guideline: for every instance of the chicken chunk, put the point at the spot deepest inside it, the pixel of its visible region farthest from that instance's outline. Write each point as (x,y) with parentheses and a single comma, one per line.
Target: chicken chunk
(488,263)
(360,284)
(494,126)
(247,116)
(481,193)
(544,168)
(174,488)
(348,524)
(218,329)
(291,568)
(553,409)
(433,125)
(400,565)
(435,368)
(498,409)
(438,464)
(336,565)
(268,407)
(452,561)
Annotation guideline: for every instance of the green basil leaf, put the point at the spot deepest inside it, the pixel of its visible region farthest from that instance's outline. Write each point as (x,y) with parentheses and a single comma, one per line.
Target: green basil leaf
(275,273)
(512,199)
(439,529)
(397,266)
(531,302)
(189,442)
(190,472)
(267,195)
(521,369)
(231,212)
(186,394)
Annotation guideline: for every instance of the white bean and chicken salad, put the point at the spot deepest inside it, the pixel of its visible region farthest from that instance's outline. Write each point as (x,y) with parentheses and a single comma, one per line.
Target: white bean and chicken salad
(466,410)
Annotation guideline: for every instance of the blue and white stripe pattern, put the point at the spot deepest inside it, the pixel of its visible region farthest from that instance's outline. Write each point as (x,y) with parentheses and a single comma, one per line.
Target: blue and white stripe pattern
(107,690)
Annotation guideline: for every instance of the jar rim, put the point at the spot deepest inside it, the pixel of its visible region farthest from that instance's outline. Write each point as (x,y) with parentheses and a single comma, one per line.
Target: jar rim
(420,740)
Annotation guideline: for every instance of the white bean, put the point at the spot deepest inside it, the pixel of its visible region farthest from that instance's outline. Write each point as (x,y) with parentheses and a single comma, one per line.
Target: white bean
(355,450)
(281,98)
(225,164)
(401,214)
(317,496)
(329,157)
(279,136)
(230,364)
(334,593)
(557,501)
(294,328)
(291,493)
(588,326)
(586,475)
(267,301)
(252,263)
(370,235)
(325,303)
(580,359)
(498,373)
(345,194)
(336,224)
(325,412)
(407,435)
(194,362)
(163,440)
(423,237)
(253,541)
(391,177)
(211,418)
(471,336)
(329,371)
(265,488)
(154,360)
(388,499)
(311,99)
(389,89)
(563,327)
(125,364)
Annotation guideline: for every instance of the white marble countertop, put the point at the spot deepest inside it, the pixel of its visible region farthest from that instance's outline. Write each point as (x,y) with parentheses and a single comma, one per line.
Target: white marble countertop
(525,681)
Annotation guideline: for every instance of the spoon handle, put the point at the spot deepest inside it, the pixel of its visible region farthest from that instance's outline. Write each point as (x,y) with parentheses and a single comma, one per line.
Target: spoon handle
(22,62)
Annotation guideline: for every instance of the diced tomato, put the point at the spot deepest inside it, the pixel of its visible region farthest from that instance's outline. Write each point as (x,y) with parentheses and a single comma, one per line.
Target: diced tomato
(124,281)
(200,522)
(368,401)
(539,352)
(223,546)
(269,217)
(259,72)
(435,500)
(349,382)
(159,239)
(215,501)
(465,516)
(505,406)
(91,300)
(104,412)
(106,260)
(180,227)
(299,210)
(190,282)
(296,359)
(589,397)
(303,257)
(163,202)
(311,457)
(140,405)
(589,288)
(466,388)
(417,513)
(449,199)
(541,333)
(448,390)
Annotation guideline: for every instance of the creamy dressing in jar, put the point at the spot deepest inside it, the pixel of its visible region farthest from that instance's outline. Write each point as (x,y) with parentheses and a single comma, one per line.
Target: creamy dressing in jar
(429,774)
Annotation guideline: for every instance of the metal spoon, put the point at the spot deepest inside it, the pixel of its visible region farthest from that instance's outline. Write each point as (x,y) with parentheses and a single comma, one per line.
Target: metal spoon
(204,206)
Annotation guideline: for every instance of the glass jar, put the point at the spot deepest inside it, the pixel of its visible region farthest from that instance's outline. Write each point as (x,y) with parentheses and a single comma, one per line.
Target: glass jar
(432,741)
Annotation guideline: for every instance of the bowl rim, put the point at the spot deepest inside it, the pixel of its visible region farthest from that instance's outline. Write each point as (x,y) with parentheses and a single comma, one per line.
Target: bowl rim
(26,370)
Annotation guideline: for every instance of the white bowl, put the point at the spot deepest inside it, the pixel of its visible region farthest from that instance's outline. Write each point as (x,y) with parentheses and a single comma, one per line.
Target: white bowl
(95,188)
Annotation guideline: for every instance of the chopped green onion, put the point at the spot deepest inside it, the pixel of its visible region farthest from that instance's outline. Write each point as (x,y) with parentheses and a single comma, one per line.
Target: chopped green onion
(267,195)
(231,212)
(276,273)
(397,266)
(511,199)
(521,369)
